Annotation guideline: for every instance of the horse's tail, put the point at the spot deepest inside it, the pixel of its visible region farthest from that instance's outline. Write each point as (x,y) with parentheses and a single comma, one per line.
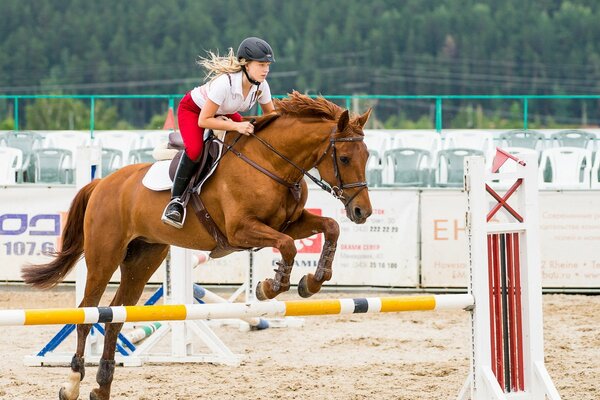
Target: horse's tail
(46,276)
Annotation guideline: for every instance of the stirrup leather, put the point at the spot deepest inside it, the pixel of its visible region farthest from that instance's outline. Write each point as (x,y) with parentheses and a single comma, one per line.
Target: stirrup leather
(172,222)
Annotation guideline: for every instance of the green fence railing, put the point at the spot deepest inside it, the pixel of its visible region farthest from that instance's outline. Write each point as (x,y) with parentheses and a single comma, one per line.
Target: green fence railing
(437,100)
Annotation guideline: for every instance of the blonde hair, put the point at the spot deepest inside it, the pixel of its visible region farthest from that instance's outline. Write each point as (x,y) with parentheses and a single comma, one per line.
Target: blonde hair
(216,65)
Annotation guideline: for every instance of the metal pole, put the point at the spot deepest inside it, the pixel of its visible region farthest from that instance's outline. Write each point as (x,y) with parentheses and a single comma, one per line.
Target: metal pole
(92,106)
(16,110)
(438,114)
(525,112)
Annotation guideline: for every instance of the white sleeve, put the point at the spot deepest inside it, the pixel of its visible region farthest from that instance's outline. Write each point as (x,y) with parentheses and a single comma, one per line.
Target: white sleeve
(265,95)
(218,89)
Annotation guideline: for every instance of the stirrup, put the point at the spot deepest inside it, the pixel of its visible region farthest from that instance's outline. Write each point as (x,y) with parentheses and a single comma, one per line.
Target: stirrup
(169,221)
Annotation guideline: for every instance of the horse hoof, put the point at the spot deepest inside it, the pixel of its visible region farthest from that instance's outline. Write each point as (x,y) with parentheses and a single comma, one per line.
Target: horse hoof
(303,288)
(62,394)
(259,293)
(70,390)
(94,395)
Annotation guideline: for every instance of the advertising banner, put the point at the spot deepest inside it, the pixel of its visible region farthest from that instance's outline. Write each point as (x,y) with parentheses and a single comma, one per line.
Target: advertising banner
(444,246)
(406,228)
(31,222)
(231,269)
(570,238)
(381,252)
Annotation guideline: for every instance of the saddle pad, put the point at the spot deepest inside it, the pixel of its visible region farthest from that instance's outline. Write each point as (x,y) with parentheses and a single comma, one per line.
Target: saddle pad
(157,178)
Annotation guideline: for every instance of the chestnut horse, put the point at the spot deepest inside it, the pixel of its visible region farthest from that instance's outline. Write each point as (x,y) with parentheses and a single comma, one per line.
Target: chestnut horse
(116,221)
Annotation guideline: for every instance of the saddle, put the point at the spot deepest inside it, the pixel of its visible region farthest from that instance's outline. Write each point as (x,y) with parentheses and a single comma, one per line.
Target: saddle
(209,159)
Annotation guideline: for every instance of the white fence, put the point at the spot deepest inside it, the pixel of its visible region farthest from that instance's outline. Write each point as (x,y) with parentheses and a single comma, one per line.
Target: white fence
(415,238)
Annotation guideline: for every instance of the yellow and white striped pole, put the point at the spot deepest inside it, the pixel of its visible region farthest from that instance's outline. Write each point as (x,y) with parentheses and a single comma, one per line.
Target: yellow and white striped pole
(175,312)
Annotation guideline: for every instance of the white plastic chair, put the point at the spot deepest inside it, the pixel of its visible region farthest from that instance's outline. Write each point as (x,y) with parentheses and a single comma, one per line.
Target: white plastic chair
(67,140)
(423,139)
(379,140)
(509,166)
(11,161)
(27,142)
(374,169)
(119,144)
(565,168)
(470,139)
(595,175)
(151,139)
(522,138)
(407,166)
(574,138)
(53,165)
(449,166)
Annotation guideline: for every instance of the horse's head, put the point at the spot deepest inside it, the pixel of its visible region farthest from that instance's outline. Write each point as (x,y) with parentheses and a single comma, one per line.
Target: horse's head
(343,166)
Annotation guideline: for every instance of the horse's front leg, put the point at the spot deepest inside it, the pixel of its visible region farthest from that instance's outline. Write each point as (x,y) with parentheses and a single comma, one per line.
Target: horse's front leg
(256,234)
(307,225)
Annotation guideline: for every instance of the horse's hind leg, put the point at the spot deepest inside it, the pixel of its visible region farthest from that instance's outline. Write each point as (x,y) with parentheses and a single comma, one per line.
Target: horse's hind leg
(139,265)
(307,225)
(101,264)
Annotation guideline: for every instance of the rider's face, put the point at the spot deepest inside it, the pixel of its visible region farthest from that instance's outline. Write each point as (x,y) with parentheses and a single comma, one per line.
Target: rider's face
(258,70)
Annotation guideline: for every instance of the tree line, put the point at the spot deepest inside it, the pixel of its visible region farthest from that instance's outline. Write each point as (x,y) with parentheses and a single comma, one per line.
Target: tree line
(321,47)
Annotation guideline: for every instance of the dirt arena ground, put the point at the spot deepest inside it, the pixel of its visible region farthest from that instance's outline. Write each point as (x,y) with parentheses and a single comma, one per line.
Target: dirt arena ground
(399,357)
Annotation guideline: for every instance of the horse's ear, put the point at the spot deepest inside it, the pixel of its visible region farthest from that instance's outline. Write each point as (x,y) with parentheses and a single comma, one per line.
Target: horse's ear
(362,120)
(343,121)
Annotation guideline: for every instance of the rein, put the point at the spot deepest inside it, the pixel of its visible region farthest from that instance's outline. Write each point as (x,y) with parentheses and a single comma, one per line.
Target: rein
(295,188)
(336,191)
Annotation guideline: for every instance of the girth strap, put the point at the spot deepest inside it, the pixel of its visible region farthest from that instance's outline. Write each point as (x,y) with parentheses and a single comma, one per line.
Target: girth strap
(210,225)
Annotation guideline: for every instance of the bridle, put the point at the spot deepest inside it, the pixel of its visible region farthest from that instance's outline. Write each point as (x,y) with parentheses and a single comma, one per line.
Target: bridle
(336,191)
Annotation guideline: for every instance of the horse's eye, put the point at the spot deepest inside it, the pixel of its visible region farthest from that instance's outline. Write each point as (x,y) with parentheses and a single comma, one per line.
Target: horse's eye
(345,160)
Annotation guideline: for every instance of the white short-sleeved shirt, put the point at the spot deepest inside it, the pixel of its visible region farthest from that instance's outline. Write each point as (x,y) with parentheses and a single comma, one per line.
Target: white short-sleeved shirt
(226,91)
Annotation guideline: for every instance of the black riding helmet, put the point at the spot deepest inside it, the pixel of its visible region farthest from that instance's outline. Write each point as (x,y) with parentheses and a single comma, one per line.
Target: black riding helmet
(255,49)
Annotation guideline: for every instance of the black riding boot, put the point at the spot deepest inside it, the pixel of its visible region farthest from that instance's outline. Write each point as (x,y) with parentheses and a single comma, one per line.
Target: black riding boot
(174,213)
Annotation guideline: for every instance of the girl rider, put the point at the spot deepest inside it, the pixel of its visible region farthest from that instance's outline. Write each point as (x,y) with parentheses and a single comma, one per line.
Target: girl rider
(236,83)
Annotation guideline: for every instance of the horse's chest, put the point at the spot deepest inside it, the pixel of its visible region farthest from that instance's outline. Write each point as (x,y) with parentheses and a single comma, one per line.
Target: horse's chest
(284,211)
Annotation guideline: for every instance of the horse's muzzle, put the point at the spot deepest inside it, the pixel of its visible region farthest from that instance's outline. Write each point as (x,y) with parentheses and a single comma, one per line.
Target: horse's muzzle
(357,214)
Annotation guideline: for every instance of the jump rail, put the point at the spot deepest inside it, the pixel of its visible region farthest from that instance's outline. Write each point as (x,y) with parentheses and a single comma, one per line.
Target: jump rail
(178,312)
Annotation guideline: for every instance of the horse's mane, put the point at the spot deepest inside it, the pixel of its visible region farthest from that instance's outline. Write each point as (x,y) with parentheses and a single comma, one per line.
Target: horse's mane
(303,106)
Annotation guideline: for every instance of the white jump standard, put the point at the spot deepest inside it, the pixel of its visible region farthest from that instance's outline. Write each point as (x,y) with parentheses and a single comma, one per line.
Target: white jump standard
(505,279)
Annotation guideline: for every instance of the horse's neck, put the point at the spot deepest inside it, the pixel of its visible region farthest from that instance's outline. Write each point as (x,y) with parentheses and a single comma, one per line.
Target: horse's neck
(300,141)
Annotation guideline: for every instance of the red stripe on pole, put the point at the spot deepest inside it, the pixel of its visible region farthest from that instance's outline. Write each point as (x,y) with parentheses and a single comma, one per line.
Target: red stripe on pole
(521,379)
(491,302)
(512,317)
(498,313)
